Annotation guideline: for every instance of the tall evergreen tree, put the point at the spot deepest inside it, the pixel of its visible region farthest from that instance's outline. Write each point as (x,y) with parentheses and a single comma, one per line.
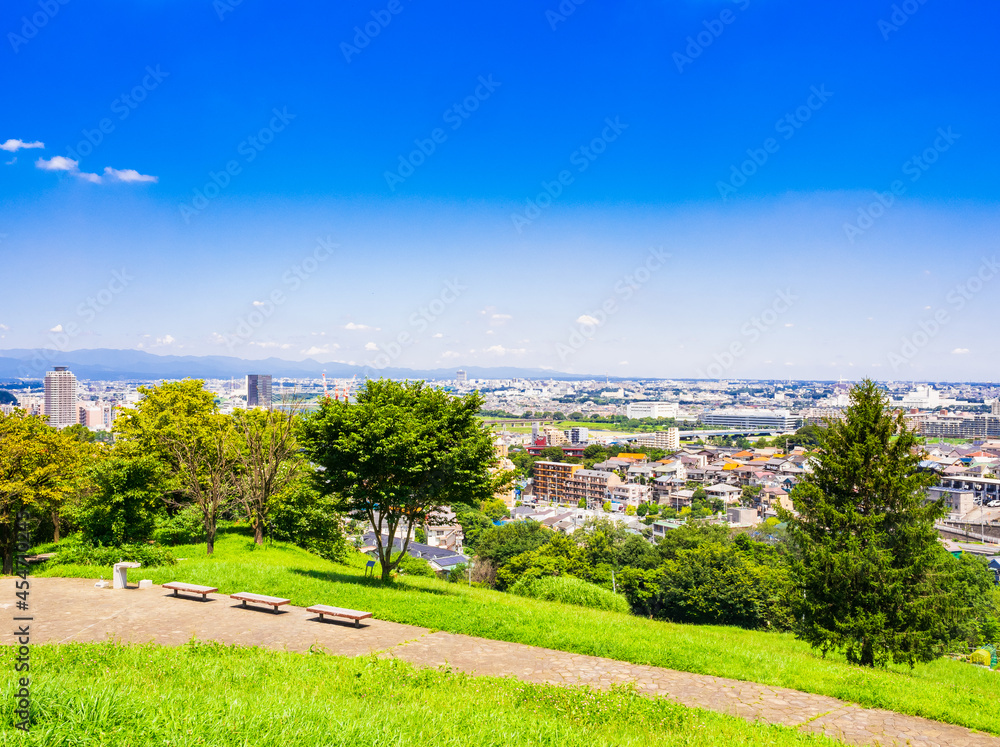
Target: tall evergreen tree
(868,558)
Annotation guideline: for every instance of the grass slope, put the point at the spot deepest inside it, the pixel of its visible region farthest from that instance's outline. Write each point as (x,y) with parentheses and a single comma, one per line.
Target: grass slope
(943,690)
(209,694)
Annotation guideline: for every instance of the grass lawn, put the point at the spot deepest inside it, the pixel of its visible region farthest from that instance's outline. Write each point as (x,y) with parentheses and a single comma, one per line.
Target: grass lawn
(209,694)
(944,690)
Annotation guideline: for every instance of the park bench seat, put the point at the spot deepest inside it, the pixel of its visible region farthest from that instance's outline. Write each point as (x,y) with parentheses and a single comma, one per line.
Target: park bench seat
(323,609)
(246,596)
(190,589)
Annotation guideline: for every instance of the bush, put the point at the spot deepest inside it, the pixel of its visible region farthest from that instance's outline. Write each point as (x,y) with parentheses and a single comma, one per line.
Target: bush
(981,657)
(412,566)
(305,518)
(183,528)
(74,552)
(570,590)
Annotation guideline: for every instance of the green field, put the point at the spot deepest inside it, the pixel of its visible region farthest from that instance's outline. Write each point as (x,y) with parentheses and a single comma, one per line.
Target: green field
(944,690)
(203,693)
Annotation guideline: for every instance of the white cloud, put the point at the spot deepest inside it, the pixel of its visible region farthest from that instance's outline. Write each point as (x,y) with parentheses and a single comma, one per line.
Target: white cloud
(14,145)
(959,351)
(789,324)
(371,346)
(165,340)
(450,354)
(57,328)
(502,316)
(12,161)
(61,163)
(622,363)
(360,327)
(57,163)
(216,337)
(316,350)
(4,327)
(587,319)
(128,175)
(438,336)
(501,350)
(282,346)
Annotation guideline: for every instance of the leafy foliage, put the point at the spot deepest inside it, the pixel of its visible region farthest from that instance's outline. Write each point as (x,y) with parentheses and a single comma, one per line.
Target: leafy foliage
(864,534)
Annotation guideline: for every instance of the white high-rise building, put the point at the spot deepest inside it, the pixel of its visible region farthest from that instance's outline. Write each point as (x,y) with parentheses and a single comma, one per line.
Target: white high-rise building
(996,408)
(60,398)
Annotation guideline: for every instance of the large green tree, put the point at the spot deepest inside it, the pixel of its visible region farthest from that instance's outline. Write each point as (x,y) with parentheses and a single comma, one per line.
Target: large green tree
(179,424)
(37,470)
(401,451)
(865,540)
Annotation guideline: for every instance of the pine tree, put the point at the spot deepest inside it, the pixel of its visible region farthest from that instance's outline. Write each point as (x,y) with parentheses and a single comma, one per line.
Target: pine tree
(868,561)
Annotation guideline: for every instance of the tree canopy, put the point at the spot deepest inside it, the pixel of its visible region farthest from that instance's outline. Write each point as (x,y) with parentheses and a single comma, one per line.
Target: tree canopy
(401,451)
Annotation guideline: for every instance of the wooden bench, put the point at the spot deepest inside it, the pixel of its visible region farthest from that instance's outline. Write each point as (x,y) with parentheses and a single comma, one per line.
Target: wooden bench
(323,609)
(245,596)
(191,589)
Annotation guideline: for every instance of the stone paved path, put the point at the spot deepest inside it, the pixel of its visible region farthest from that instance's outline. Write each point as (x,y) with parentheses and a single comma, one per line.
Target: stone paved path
(73,610)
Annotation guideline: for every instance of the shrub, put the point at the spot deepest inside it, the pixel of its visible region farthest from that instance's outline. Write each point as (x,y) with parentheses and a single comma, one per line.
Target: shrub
(183,528)
(412,566)
(981,657)
(74,552)
(570,590)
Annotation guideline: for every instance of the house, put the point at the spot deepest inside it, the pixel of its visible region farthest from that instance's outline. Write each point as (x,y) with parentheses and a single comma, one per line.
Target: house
(727,493)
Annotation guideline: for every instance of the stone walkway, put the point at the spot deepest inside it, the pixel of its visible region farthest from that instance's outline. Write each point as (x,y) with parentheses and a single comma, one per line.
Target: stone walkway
(73,610)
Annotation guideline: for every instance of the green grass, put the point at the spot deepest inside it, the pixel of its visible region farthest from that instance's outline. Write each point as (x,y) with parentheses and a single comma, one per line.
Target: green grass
(209,694)
(943,690)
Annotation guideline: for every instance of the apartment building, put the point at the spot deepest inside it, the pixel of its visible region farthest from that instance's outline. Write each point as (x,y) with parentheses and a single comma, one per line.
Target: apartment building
(651,410)
(591,485)
(778,420)
(61,398)
(550,480)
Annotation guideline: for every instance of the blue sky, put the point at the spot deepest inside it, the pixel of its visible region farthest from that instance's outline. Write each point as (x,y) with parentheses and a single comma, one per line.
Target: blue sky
(747,189)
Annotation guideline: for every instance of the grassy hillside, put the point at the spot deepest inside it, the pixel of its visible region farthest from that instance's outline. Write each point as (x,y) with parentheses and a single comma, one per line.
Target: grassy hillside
(943,690)
(206,694)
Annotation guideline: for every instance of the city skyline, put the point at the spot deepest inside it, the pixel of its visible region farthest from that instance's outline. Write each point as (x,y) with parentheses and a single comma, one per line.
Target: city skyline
(697,190)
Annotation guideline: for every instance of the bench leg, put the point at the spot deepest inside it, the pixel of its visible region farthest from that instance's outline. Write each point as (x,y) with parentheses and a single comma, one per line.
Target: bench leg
(244,602)
(175,592)
(357,623)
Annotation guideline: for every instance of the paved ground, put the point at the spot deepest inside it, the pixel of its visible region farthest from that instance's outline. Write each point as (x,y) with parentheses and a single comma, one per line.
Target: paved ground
(73,610)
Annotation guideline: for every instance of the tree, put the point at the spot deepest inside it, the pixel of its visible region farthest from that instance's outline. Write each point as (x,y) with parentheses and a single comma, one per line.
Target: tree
(36,473)
(400,452)
(269,461)
(178,422)
(207,466)
(495,508)
(121,506)
(865,539)
(499,544)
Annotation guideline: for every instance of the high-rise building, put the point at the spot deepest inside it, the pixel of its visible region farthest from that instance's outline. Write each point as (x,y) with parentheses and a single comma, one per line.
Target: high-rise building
(651,410)
(60,398)
(461,377)
(996,408)
(259,390)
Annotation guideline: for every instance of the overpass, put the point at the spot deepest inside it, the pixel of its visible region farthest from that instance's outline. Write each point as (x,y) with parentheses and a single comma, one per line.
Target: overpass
(521,421)
(703,434)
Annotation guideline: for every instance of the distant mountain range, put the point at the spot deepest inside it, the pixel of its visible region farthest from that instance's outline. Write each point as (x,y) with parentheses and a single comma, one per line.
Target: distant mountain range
(124,365)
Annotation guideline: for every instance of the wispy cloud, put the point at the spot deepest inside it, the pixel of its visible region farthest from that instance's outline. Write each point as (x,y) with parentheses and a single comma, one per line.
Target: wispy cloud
(61,163)
(14,145)
(360,327)
(959,351)
(129,176)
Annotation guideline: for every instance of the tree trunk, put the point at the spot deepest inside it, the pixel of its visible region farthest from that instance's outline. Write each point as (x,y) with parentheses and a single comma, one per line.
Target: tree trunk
(8,562)
(210,538)
(258,532)
(867,654)
(55,523)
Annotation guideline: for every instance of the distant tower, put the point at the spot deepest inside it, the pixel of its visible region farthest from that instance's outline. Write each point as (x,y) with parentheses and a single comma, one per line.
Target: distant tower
(259,390)
(461,377)
(60,398)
